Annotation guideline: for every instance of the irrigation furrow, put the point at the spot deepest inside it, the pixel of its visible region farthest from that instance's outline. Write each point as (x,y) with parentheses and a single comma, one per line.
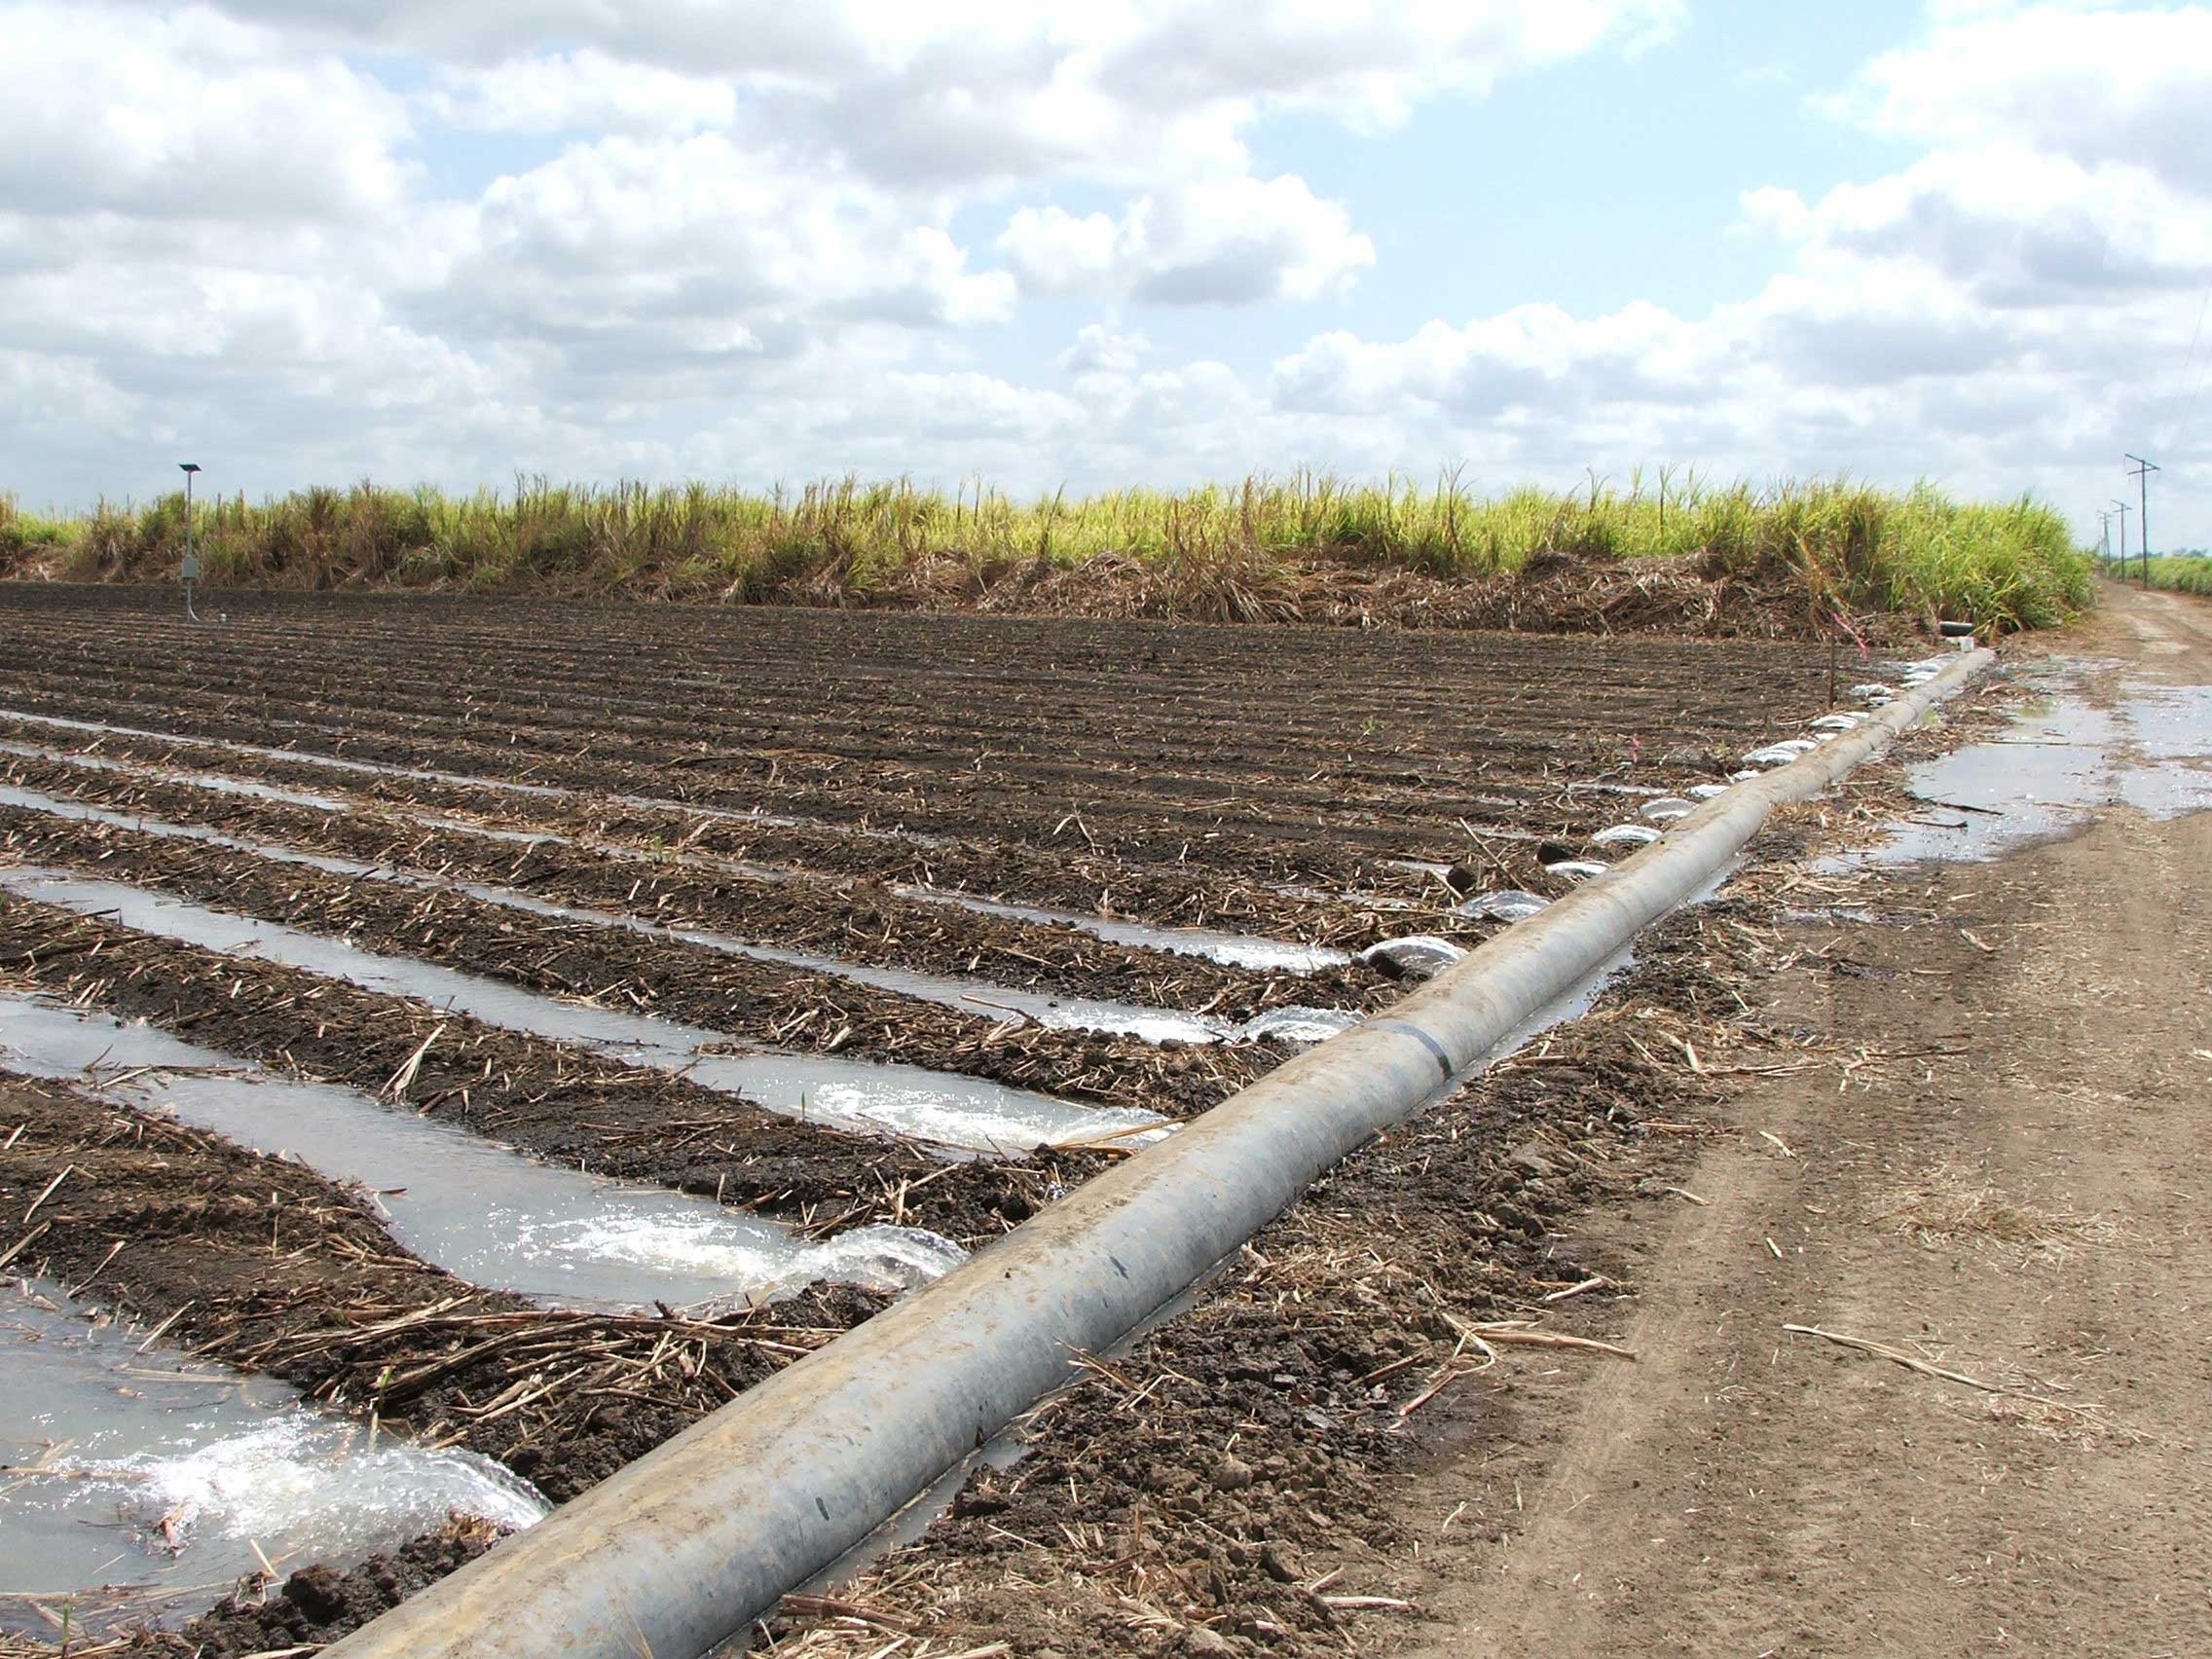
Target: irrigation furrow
(1344,770)
(946,1108)
(758,904)
(470,1206)
(1243,829)
(152,1482)
(979,999)
(562,1103)
(269,1275)
(1088,661)
(1074,876)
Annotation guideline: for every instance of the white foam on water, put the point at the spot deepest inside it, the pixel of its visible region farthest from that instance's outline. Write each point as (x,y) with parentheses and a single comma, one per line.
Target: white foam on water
(1300,1024)
(1423,955)
(278,1482)
(1577,869)
(697,1248)
(1230,950)
(1508,904)
(140,1483)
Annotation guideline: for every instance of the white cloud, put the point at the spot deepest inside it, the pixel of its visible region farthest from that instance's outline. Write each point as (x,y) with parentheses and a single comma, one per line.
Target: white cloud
(1102,349)
(784,240)
(581,92)
(197,116)
(1229,241)
(2097,85)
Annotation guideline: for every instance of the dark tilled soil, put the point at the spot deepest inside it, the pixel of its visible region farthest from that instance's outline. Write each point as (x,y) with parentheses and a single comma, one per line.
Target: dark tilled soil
(1197,1493)
(318,1604)
(1214,757)
(1068,875)
(543,1099)
(858,922)
(766,1002)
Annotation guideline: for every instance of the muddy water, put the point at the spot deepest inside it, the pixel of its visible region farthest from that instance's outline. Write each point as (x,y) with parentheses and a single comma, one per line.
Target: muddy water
(465,1203)
(940,1107)
(980,998)
(2058,760)
(139,1483)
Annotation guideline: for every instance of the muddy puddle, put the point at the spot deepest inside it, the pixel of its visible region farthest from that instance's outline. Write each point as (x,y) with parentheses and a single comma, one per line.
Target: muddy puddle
(469,1205)
(2058,760)
(140,1485)
(943,1107)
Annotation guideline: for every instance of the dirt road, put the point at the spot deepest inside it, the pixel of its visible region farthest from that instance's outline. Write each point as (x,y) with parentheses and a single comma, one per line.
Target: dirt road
(1993,1162)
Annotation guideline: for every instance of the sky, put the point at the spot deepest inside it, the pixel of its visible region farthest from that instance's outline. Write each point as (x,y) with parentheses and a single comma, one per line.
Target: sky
(1107,243)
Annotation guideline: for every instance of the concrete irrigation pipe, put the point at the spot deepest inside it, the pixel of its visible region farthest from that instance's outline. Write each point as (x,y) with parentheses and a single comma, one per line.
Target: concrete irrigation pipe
(682,1548)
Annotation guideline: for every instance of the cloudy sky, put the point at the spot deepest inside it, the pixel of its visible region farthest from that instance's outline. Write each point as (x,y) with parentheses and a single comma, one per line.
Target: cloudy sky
(1103,241)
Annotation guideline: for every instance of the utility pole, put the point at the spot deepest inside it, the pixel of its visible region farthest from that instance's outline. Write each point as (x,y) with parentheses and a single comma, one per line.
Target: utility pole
(2143,471)
(2123,509)
(2104,526)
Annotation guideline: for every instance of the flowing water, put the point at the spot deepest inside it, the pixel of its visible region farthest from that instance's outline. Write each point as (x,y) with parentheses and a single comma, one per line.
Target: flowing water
(984,1000)
(140,1484)
(942,1107)
(468,1204)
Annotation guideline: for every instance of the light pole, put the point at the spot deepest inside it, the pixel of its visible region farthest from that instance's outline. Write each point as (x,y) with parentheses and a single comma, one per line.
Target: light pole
(188,573)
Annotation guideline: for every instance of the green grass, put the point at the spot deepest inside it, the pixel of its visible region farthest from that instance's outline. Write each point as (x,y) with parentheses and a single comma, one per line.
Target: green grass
(26,538)
(1849,545)
(2181,575)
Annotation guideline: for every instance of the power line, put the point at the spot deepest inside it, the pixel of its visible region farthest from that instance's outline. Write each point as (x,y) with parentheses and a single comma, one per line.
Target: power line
(2189,362)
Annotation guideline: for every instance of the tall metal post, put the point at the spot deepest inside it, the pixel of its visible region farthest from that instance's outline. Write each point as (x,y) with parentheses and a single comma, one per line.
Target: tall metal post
(188,573)
(2143,471)
(2123,509)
